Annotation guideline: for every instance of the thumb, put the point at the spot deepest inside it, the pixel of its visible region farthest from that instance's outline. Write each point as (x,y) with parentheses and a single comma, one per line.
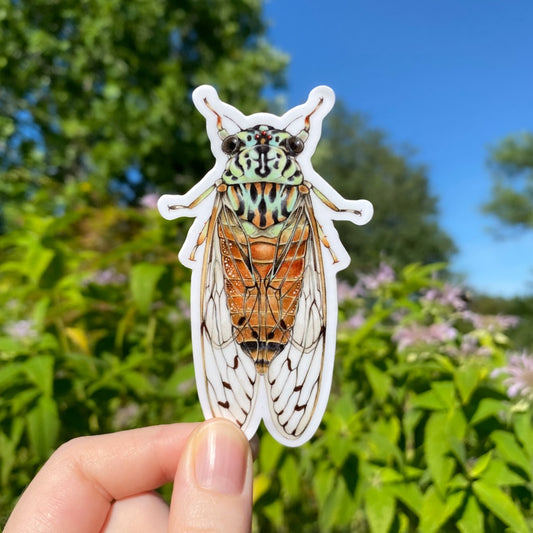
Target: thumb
(213,483)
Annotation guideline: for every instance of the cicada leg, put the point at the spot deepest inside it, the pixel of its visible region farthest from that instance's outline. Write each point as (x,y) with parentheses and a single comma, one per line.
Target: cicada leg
(198,200)
(327,202)
(201,239)
(305,189)
(325,242)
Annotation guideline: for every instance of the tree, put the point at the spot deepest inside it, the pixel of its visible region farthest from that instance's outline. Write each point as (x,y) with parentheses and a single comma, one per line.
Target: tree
(98,91)
(360,163)
(511,162)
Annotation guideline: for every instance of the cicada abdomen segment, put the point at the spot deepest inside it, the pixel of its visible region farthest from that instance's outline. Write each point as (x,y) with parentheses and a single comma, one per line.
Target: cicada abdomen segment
(263,260)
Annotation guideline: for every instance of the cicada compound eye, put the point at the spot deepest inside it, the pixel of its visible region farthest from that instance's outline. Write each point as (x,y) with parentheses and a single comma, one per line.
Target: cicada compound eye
(294,145)
(231,145)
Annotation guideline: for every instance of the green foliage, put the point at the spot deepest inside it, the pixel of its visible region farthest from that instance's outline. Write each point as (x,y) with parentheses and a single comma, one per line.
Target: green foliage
(94,338)
(512,193)
(360,163)
(100,90)
(417,436)
(94,334)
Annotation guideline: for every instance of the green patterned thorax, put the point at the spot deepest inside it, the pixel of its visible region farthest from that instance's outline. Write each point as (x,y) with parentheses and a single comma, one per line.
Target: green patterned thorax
(262,154)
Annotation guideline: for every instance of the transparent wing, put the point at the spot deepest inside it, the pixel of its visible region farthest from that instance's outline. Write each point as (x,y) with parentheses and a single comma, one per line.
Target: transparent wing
(295,375)
(231,383)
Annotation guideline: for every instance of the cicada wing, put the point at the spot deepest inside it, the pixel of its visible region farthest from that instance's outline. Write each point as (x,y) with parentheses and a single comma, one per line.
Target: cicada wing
(230,384)
(298,379)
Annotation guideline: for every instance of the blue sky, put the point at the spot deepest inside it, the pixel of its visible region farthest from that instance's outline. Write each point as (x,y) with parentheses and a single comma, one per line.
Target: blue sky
(448,77)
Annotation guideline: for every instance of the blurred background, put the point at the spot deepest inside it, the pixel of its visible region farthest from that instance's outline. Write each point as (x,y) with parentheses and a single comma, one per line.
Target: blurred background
(429,425)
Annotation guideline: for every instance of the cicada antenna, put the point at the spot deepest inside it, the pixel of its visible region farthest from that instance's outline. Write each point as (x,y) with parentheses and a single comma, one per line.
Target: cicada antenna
(304,134)
(222,132)
(219,118)
(307,122)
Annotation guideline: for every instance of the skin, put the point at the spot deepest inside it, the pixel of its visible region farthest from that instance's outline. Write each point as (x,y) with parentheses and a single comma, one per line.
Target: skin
(105,483)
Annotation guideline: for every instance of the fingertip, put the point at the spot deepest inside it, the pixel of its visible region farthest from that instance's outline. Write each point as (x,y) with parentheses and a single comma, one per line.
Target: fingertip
(213,483)
(221,454)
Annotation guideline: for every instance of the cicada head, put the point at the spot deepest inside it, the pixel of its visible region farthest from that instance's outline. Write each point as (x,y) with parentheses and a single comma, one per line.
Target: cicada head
(269,150)
(262,153)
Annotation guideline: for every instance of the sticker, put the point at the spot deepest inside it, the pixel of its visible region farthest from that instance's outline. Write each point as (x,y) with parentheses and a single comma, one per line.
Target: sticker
(264,254)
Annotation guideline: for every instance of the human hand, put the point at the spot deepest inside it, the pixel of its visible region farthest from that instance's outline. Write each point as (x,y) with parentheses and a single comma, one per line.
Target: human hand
(104,483)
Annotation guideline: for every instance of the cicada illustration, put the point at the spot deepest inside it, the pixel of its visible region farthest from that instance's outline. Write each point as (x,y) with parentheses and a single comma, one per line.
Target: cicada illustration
(264,254)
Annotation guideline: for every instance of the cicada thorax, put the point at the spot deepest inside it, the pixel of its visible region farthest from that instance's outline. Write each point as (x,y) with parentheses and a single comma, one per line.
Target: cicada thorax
(263,234)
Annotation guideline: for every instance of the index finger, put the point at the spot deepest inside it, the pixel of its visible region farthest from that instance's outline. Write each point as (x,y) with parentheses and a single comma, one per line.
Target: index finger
(76,487)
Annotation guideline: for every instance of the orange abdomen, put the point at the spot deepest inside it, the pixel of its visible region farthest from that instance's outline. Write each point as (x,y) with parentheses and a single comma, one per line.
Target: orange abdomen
(263,280)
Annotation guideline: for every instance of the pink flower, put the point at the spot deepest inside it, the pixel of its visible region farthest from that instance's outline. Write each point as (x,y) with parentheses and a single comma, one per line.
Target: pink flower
(520,375)
(448,295)
(470,346)
(149,201)
(491,322)
(21,330)
(345,291)
(417,334)
(357,320)
(383,276)
(108,276)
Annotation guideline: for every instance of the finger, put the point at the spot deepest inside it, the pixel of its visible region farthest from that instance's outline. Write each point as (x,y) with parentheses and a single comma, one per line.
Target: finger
(213,483)
(138,514)
(74,490)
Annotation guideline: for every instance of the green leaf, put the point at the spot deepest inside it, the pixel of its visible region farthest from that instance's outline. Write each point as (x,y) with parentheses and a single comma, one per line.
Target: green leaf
(38,260)
(274,512)
(338,508)
(9,373)
(472,519)
(509,449)
(498,473)
(143,281)
(23,399)
(499,503)
(458,481)
(436,511)
(410,494)
(487,407)
(380,447)
(466,379)
(380,506)
(480,465)
(379,381)
(40,370)
(323,481)
(138,382)
(43,427)
(524,431)
(436,448)
(8,450)
(180,380)
(428,400)
(445,390)
(289,476)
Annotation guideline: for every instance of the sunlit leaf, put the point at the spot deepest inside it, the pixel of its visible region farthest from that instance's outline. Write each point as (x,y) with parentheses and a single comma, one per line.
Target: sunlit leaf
(436,450)
(380,507)
(487,407)
(471,520)
(143,281)
(43,426)
(509,449)
(40,370)
(436,511)
(499,503)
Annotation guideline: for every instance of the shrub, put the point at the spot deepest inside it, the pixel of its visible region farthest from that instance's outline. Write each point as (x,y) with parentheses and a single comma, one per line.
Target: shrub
(419,435)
